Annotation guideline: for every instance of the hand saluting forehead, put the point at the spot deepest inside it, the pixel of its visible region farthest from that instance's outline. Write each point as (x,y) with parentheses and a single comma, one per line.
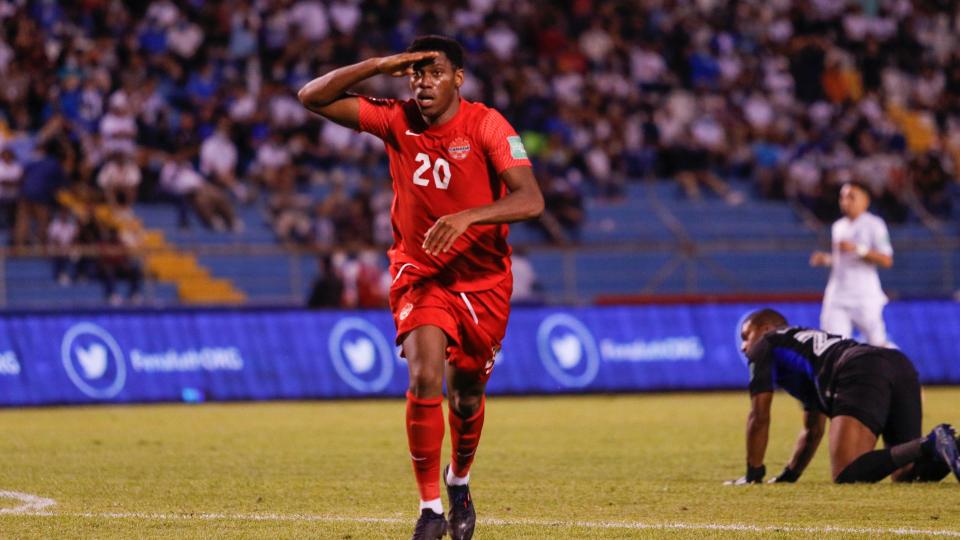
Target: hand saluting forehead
(399,65)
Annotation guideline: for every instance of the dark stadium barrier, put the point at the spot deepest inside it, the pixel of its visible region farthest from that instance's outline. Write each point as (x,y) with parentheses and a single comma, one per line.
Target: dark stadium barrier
(48,358)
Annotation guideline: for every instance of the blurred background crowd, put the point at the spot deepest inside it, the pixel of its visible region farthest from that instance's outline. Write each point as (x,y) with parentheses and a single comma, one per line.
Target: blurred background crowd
(192,103)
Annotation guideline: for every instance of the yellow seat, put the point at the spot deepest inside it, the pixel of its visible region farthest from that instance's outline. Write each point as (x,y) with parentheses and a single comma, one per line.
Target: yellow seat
(209,290)
(161,260)
(917,127)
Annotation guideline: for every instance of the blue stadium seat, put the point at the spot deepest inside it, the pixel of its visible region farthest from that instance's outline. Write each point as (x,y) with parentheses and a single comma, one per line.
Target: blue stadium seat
(650,214)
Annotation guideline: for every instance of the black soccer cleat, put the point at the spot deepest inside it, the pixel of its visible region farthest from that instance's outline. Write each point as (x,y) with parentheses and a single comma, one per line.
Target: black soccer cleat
(430,526)
(463,517)
(946,447)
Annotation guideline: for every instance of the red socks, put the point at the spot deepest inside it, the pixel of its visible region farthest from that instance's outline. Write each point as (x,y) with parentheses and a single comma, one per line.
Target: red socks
(464,438)
(425,437)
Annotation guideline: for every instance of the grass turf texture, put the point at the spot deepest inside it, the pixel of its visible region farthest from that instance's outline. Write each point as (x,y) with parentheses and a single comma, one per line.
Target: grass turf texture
(544,464)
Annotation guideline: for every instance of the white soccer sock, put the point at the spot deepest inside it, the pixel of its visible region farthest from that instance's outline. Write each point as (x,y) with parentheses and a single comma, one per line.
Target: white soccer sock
(454,480)
(436,505)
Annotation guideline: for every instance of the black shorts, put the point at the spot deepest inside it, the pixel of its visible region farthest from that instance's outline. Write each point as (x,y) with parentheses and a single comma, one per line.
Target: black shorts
(880,388)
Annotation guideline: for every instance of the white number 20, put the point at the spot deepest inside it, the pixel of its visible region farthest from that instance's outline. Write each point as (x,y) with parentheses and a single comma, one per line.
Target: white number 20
(441,172)
(821,340)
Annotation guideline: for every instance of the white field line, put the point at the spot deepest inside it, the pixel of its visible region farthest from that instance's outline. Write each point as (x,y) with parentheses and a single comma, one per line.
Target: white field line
(497,522)
(29,503)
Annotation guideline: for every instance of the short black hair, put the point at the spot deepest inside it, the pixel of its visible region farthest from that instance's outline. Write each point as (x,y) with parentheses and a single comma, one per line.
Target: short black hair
(859,185)
(765,317)
(444,44)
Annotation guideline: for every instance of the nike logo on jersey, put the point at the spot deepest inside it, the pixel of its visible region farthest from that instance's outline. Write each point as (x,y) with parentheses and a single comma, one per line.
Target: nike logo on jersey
(412,134)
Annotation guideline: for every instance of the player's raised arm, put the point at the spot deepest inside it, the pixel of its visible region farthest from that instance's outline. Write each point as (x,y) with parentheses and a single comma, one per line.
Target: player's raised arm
(327,95)
(525,201)
(807,443)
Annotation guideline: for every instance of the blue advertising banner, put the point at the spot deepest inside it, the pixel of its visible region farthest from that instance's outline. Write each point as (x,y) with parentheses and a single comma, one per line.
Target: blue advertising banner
(286,354)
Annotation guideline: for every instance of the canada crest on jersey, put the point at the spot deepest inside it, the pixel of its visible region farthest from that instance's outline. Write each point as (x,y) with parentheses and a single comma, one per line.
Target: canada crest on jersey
(459,148)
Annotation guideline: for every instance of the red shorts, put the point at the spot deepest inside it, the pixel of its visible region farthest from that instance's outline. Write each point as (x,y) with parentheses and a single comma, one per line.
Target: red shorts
(474,321)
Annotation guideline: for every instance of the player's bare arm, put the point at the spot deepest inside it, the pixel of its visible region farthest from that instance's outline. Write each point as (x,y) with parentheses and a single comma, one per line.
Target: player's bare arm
(808,441)
(869,255)
(821,258)
(327,95)
(525,201)
(758,428)
(758,433)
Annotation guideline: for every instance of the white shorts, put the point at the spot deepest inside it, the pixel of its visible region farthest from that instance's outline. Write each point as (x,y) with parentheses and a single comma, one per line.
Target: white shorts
(867,318)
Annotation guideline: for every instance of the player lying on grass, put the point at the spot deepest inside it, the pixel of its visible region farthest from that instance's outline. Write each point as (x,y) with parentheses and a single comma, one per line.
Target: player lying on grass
(460,174)
(865,391)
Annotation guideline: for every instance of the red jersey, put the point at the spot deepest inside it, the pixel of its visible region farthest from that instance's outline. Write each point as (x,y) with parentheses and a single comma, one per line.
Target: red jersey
(442,170)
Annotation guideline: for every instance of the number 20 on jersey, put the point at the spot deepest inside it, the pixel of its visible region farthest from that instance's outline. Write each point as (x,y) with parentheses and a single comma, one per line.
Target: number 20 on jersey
(440,168)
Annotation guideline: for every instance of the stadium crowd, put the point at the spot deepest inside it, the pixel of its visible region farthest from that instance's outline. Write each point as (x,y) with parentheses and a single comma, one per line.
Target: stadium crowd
(193,102)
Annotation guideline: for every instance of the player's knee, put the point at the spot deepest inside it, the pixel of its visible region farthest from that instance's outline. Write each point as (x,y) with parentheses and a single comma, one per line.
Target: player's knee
(424,388)
(425,381)
(868,468)
(844,474)
(844,477)
(465,404)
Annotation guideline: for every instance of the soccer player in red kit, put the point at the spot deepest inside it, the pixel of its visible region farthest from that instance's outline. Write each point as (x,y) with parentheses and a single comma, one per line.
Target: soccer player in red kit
(460,174)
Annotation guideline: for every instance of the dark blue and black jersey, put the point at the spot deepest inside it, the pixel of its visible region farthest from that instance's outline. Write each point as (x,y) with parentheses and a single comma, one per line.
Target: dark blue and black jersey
(802,361)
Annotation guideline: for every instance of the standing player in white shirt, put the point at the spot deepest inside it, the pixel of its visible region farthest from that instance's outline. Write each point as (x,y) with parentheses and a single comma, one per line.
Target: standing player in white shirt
(860,243)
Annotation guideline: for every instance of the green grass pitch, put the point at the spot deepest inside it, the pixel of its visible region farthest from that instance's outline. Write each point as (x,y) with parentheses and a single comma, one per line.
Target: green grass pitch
(626,466)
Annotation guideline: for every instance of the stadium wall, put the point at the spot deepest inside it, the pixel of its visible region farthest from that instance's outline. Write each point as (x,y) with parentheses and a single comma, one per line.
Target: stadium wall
(150,356)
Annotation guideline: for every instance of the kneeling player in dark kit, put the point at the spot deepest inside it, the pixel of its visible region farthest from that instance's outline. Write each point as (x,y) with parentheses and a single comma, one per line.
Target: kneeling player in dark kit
(866,391)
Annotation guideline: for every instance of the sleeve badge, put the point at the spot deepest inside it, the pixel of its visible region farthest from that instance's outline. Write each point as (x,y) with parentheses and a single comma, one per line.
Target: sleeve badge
(517,151)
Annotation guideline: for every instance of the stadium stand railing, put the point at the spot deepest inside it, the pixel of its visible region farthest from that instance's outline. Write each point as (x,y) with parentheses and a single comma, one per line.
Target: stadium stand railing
(649,245)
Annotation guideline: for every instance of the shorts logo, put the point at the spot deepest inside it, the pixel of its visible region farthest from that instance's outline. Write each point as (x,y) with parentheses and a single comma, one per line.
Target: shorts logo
(361,355)
(93,360)
(405,312)
(488,367)
(459,148)
(567,350)
(517,150)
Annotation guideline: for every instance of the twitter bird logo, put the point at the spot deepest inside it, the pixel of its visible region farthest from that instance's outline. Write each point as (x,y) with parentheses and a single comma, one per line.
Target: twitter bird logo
(92,360)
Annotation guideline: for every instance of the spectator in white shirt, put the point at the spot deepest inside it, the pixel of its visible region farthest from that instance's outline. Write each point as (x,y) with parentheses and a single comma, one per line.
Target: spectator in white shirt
(218,159)
(118,128)
(119,179)
(647,65)
(311,17)
(345,15)
(284,110)
(243,105)
(164,12)
(191,190)
(501,40)
(272,158)
(596,42)
(184,38)
(61,236)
